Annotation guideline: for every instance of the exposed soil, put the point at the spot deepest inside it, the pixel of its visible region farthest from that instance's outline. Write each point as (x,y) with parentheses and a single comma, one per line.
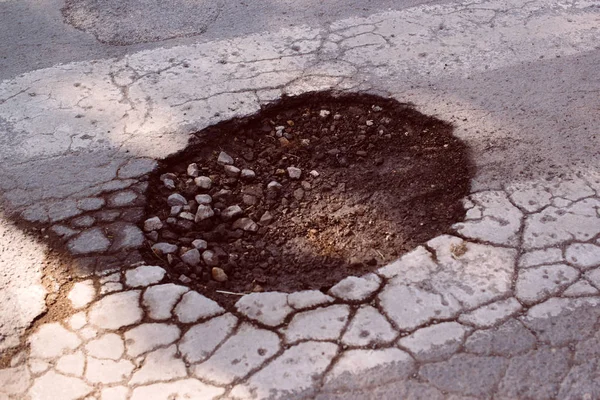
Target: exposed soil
(389,179)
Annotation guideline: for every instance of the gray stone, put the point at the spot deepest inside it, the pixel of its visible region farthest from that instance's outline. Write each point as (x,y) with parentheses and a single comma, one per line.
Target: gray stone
(509,339)
(245,224)
(159,300)
(153,224)
(210,258)
(293,371)
(535,375)
(355,288)
(91,203)
(247,174)
(193,306)
(294,173)
(266,218)
(269,308)
(232,212)
(274,186)
(320,324)
(169,184)
(203,199)
(107,215)
(191,257)
(193,170)
(89,241)
(164,248)
(144,275)
(374,366)
(538,283)
(203,212)
(466,374)
(367,328)
(435,342)
(203,182)
(136,168)
(176,200)
(125,198)
(240,354)
(116,310)
(224,159)
(202,339)
(147,337)
(200,244)
(231,171)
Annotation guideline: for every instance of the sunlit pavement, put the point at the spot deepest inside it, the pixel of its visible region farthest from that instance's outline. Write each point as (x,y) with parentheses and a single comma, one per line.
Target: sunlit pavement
(506,307)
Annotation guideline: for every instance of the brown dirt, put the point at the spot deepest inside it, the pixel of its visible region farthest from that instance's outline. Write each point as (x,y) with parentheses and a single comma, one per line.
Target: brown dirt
(389,179)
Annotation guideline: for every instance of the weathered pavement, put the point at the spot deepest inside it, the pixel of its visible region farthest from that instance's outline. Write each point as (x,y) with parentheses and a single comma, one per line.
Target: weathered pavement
(507,307)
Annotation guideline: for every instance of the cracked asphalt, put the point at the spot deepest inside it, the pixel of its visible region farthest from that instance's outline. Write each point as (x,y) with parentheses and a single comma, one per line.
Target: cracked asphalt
(507,307)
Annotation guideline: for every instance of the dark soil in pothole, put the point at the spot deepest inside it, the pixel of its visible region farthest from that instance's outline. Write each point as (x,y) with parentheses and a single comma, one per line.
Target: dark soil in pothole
(389,179)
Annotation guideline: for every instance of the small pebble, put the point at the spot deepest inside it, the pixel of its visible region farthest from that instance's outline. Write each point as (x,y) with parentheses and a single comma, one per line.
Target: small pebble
(231,212)
(203,182)
(164,248)
(203,212)
(224,159)
(187,215)
(176,200)
(294,173)
(306,185)
(218,274)
(299,194)
(152,224)
(203,199)
(324,113)
(169,184)
(274,186)
(369,122)
(248,174)
(200,244)
(210,258)
(361,153)
(314,173)
(266,218)
(175,210)
(232,171)
(191,257)
(184,279)
(245,224)
(193,170)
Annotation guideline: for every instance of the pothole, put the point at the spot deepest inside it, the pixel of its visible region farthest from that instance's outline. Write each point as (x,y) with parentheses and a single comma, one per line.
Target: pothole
(306,192)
